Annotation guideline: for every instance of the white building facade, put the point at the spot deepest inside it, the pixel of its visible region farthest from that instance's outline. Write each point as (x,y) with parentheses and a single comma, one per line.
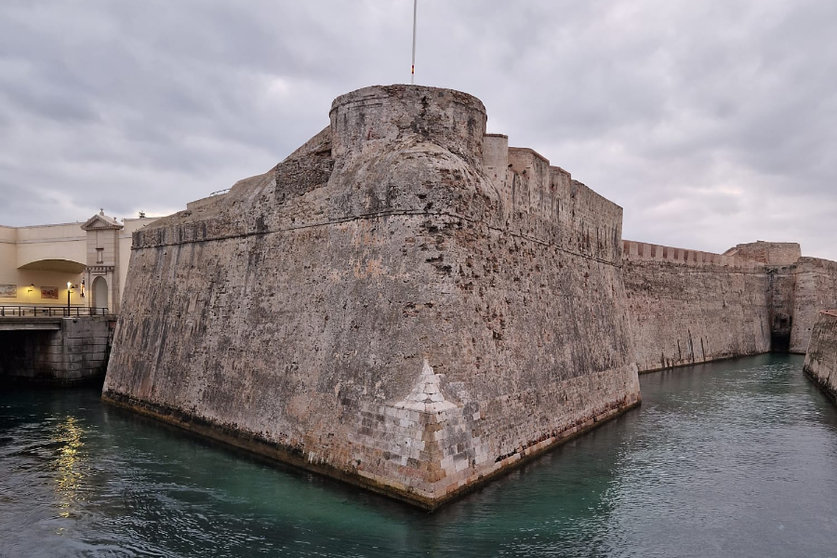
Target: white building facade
(75,264)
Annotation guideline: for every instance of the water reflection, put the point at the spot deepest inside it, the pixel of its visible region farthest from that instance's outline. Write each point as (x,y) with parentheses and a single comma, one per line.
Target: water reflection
(731,459)
(68,465)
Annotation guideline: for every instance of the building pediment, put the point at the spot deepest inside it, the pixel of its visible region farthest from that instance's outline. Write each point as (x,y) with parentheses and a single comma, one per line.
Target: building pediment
(101,222)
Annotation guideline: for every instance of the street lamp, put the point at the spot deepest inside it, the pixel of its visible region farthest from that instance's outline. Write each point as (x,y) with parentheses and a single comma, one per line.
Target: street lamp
(69,285)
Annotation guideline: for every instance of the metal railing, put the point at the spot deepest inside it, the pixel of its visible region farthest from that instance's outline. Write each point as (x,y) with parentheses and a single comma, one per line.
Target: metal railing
(52,311)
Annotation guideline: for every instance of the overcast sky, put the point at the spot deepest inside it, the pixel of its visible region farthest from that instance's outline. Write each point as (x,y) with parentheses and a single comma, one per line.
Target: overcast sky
(711,123)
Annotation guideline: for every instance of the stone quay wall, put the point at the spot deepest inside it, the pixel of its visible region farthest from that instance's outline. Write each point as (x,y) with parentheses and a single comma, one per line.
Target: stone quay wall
(404,303)
(821,357)
(75,352)
(688,306)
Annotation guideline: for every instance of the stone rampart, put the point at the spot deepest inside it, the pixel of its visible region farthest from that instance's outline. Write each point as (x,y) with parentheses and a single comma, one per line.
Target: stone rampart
(688,306)
(645,252)
(821,357)
(815,289)
(393,305)
(545,201)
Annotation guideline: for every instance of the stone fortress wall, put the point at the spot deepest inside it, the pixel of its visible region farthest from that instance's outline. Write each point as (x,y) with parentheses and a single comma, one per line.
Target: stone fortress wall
(687,306)
(55,351)
(385,306)
(821,358)
(814,289)
(409,304)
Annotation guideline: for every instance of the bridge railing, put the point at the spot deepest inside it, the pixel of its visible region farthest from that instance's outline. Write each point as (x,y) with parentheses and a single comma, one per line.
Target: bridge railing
(52,311)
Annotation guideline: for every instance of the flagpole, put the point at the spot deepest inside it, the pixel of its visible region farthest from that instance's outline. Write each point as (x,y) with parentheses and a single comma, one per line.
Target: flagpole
(413,66)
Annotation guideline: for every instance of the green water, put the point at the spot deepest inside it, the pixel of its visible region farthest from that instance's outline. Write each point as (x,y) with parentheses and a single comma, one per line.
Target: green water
(731,459)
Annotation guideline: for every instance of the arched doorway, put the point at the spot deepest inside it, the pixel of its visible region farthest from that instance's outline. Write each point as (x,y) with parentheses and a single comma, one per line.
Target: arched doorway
(100,292)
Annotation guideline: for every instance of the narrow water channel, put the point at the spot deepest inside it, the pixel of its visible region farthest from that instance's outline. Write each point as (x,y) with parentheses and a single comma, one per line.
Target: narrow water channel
(737,458)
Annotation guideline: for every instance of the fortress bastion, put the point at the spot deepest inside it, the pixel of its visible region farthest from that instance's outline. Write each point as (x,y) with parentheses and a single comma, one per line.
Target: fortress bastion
(408,304)
(404,303)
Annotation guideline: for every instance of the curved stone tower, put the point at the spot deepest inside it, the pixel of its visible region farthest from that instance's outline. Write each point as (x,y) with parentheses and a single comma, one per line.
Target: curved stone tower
(404,303)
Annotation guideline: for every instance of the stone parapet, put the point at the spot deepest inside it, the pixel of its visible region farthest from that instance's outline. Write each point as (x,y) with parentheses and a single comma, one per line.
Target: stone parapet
(643,251)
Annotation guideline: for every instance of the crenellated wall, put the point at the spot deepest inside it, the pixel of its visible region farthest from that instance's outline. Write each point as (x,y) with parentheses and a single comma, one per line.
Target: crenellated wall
(589,224)
(688,306)
(645,252)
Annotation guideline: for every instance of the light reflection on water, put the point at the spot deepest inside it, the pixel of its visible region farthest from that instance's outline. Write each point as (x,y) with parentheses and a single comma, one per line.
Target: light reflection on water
(68,465)
(731,459)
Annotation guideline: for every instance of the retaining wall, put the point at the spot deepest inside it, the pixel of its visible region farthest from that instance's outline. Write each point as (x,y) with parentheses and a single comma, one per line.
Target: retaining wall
(75,352)
(821,357)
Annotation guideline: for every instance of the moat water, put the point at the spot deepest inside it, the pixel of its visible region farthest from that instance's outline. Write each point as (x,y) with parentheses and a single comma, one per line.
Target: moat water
(737,458)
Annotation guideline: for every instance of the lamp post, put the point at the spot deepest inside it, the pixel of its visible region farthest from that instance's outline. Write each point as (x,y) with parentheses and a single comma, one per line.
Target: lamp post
(68,298)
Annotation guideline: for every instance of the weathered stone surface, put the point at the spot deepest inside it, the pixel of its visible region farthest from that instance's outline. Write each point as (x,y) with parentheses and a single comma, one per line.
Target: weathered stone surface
(404,303)
(821,357)
(687,306)
(768,253)
(815,289)
(75,351)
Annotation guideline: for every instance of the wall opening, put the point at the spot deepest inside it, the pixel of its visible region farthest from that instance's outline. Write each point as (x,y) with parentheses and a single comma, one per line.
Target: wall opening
(780,334)
(21,356)
(100,292)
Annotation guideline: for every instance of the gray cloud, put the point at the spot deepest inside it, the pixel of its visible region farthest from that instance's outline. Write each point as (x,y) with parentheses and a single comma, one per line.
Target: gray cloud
(709,122)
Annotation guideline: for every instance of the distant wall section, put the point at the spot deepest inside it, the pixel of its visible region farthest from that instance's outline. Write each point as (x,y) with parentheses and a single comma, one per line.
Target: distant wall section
(768,253)
(688,306)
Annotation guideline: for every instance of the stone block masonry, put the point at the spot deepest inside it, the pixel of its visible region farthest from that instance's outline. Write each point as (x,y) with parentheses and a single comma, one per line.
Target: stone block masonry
(815,289)
(821,358)
(404,303)
(408,304)
(74,351)
(688,307)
